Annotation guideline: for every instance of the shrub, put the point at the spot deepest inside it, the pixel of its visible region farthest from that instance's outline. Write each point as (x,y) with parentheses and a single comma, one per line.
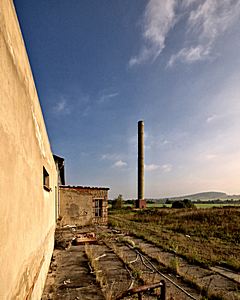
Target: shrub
(118,202)
(186,203)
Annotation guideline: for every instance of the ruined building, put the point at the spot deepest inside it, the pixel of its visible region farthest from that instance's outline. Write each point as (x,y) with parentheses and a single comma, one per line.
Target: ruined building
(29,176)
(78,205)
(83,205)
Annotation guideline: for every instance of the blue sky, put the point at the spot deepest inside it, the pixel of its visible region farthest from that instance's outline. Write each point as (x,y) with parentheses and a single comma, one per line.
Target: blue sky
(100,66)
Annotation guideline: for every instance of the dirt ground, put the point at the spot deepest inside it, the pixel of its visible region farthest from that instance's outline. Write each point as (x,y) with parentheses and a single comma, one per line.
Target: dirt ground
(117,262)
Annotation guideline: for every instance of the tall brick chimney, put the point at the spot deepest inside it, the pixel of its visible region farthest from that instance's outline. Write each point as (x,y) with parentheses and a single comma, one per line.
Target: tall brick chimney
(141,203)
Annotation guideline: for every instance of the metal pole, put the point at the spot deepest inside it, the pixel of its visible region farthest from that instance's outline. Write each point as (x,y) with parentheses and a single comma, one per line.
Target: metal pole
(163,290)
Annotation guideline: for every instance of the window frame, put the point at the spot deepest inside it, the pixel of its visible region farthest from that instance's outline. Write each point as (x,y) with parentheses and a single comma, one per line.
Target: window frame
(98,207)
(46,180)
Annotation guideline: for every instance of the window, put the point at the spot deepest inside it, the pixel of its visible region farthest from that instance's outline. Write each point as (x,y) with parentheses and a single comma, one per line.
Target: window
(98,207)
(46,181)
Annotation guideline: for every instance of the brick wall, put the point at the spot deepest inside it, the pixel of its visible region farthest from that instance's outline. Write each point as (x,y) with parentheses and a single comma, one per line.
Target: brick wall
(83,205)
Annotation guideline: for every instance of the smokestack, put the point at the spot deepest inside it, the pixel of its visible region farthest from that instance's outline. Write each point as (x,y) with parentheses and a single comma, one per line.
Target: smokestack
(141,203)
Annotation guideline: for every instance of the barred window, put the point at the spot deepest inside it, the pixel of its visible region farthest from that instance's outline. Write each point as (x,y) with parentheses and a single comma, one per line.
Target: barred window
(98,206)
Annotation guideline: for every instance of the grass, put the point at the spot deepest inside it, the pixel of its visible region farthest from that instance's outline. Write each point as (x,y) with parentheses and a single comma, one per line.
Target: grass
(170,266)
(100,277)
(210,205)
(198,205)
(136,271)
(205,236)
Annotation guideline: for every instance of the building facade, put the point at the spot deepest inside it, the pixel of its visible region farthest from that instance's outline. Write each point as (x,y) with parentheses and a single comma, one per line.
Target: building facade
(28,175)
(83,205)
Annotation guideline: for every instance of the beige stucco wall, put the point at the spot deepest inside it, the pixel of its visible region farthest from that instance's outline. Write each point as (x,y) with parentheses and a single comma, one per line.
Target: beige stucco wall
(77,205)
(27,211)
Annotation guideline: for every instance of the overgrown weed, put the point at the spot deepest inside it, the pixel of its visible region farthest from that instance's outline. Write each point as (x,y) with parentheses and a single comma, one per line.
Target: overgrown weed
(203,236)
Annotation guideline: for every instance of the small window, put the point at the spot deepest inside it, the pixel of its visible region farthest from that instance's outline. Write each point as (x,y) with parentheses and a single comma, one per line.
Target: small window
(46,181)
(98,207)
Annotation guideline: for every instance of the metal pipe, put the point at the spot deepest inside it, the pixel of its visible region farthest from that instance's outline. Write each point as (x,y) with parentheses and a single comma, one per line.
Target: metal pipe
(144,288)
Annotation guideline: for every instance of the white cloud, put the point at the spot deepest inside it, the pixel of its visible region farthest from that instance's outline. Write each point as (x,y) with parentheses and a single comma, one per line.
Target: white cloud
(207,21)
(151,167)
(211,118)
(106,97)
(159,18)
(187,3)
(104,156)
(73,101)
(210,156)
(110,156)
(62,106)
(190,55)
(120,164)
(213,17)
(165,142)
(166,168)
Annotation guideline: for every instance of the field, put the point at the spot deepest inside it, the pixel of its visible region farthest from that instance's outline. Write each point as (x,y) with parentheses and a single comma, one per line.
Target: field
(198,205)
(206,236)
(196,252)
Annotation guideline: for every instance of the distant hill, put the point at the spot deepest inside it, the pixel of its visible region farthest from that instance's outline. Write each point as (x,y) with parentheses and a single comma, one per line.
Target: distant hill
(204,196)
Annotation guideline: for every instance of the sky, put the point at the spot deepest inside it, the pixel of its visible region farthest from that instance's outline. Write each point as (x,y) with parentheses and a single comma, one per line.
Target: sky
(101,66)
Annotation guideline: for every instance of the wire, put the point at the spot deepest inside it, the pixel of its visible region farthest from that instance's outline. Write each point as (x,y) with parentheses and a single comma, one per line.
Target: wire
(163,275)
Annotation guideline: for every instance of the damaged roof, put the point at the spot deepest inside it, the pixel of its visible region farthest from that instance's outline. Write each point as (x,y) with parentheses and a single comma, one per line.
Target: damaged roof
(84,187)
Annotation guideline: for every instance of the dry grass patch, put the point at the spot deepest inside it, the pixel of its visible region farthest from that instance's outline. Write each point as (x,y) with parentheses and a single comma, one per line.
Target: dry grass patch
(205,236)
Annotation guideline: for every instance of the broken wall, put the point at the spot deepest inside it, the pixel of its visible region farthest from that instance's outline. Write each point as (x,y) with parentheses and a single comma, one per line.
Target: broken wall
(27,210)
(77,205)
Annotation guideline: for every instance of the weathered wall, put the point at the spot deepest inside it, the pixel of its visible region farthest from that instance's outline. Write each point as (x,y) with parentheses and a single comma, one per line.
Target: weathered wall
(27,211)
(77,205)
